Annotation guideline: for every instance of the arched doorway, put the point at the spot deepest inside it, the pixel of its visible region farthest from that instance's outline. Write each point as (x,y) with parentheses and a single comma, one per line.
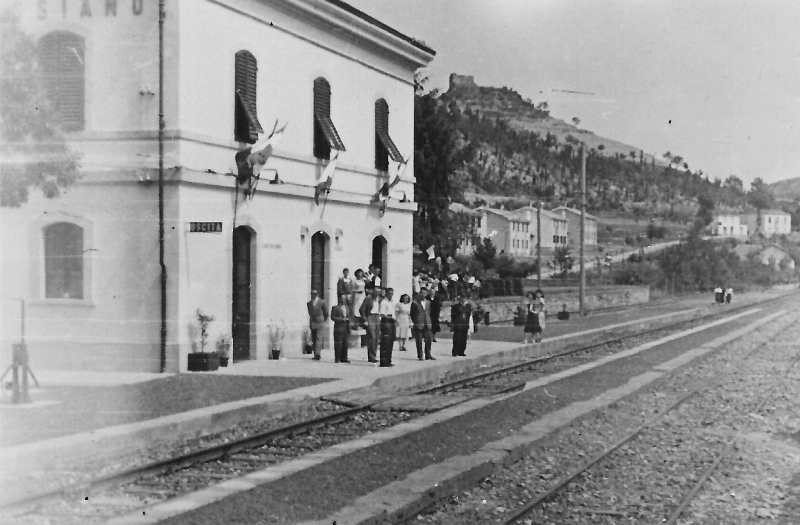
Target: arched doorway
(243,292)
(319,263)
(380,258)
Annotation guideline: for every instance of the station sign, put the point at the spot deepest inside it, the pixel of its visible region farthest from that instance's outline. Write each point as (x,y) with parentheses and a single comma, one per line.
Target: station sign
(205,227)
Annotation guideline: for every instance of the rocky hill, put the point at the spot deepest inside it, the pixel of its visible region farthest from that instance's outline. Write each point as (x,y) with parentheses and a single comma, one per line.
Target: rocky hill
(786,190)
(507,104)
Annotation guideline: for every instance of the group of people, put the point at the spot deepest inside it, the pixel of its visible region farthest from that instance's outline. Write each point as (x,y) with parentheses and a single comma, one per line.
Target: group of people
(363,303)
(723,296)
(535,316)
(448,286)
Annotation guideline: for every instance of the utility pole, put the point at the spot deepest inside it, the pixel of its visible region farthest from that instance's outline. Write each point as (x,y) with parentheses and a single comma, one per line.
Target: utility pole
(161,128)
(583,228)
(539,246)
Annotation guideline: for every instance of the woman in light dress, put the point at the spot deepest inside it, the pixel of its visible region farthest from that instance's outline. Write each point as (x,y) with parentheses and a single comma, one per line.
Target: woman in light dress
(403,316)
(358,295)
(534,320)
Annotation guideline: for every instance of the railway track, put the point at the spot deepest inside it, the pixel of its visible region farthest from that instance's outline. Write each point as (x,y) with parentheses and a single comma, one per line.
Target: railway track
(159,481)
(525,511)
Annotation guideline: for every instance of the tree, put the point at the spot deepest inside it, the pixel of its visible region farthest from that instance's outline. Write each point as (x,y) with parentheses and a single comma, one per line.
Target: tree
(33,149)
(576,121)
(563,259)
(485,252)
(706,212)
(760,198)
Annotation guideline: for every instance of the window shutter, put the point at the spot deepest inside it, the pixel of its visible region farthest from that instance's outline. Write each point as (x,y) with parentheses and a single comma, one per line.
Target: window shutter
(385,147)
(246,124)
(325,135)
(61,59)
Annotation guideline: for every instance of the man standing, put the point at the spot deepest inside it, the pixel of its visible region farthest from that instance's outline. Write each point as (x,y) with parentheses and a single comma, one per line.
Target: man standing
(370,311)
(317,317)
(421,321)
(345,287)
(340,315)
(460,314)
(388,313)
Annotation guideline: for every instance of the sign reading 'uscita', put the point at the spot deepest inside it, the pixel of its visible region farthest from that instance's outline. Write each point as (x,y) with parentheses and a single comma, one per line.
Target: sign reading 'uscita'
(205,227)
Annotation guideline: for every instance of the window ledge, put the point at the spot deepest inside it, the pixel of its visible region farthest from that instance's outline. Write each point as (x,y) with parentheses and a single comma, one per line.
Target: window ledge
(62,302)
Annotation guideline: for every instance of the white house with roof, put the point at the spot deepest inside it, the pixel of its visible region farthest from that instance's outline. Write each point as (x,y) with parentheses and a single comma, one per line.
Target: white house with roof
(508,233)
(243,246)
(728,225)
(773,222)
(573,217)
(555,228)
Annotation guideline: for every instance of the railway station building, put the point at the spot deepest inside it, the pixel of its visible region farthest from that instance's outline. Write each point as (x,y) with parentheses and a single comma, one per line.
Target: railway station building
(318,92)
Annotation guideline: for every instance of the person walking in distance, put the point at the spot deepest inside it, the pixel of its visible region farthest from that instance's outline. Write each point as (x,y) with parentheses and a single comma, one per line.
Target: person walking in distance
(388,311)
(460,314)
(436,308)
(718,295)
(359,295)
(728,294)
(538,323)
(403,320)
(340,315)
(317,317)
(371,313)
(421,321)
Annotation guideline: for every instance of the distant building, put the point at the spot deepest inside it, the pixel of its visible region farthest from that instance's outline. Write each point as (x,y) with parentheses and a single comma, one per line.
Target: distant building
(776,255)
(773,222)
(508,232)
(573,217)
(468,244)
(728,225)
(555,228)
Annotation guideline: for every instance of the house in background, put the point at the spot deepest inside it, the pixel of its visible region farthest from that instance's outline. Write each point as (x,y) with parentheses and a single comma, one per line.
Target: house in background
(773,222)
(508,233)
(573,217)
(729,225)
(776,255)
(554,228)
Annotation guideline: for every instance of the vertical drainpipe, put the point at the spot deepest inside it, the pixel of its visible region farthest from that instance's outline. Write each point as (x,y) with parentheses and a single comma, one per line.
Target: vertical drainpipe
(163,339)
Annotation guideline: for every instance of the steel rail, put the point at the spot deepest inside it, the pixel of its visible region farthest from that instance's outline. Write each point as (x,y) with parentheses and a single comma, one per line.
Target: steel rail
(563,481)
(221,450)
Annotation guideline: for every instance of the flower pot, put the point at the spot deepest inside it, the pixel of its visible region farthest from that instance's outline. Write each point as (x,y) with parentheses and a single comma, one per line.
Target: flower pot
(203,362)
(223,361)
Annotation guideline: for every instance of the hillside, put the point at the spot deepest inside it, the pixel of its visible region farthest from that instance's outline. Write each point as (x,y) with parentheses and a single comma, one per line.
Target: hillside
(509,105)
(786,190)
(512,150)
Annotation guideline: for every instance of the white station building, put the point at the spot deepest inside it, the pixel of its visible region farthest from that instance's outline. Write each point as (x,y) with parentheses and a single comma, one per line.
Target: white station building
(247,251)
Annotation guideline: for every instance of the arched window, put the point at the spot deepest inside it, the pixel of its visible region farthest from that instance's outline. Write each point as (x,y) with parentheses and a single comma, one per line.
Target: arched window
(246,124)
(384,145)
(61,61)
(63,261)
(325,135)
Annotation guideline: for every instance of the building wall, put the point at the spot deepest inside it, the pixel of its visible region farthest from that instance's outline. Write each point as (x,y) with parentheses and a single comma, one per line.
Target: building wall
(116,325)
(771,223)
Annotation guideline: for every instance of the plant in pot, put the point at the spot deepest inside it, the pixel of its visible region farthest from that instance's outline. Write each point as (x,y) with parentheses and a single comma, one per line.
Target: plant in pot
(223,349)
(276,333)
(203,361)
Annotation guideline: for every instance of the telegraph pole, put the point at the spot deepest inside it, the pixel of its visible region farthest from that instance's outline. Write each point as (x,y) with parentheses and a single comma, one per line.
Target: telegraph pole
(539,246)
(583,227)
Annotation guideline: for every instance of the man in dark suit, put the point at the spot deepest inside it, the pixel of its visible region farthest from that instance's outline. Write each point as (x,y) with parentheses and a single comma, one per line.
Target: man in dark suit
(459,319)
(421,324)
(340,315)
(317,317)
(345,287)
(370,311)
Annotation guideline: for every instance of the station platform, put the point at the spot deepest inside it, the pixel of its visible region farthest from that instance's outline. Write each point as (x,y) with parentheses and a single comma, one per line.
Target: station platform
(76,414)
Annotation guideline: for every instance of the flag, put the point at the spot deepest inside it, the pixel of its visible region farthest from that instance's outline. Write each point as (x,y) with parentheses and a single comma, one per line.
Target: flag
(327,174)
(262,150)
(382,194)
(431,252)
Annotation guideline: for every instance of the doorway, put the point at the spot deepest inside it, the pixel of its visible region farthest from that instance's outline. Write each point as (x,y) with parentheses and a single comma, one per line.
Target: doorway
(380,259)
(241,315)
(319,246)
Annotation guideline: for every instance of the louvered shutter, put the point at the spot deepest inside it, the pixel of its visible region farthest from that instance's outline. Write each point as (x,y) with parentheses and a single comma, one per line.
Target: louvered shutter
(246,124)
(385,147)
(326,137)
(61,61)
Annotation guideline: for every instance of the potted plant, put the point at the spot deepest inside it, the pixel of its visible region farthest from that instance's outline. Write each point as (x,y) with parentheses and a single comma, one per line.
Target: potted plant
(223,348)
(203,361)
(275,334)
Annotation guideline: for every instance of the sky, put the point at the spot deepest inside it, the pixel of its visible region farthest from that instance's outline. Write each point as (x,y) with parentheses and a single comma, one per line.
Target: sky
(714,81)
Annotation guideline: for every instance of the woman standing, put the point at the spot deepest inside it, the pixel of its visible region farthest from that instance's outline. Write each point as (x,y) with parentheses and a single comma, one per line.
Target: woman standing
(358,296)
(403,316)
(534,320)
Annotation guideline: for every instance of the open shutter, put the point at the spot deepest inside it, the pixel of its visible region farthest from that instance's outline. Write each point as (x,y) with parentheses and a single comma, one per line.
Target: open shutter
(385,147)
(246,124)
(326,137)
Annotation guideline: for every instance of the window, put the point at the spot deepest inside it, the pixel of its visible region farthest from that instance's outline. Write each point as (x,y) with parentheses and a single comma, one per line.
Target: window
(63,261)
(61,60)
(245,117)
(325,135)
(555,239)
(384,145)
